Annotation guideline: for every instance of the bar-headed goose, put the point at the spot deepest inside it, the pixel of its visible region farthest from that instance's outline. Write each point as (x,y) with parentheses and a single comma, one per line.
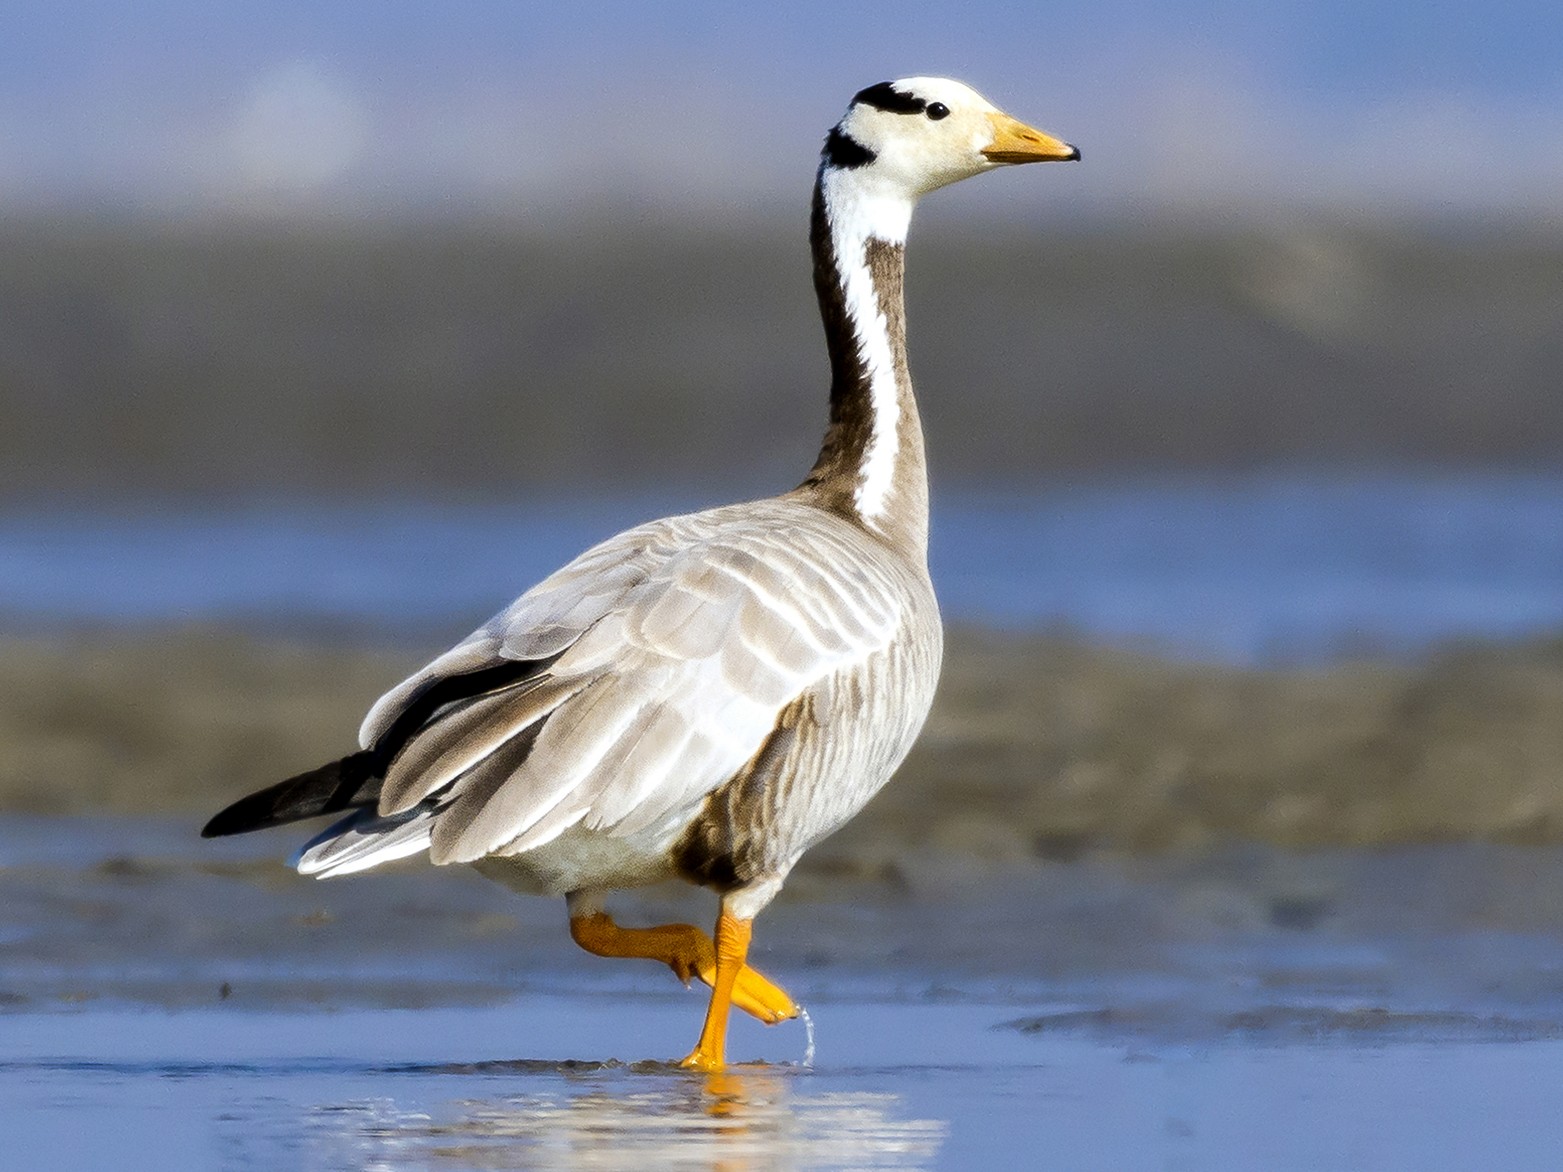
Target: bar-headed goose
(704,696)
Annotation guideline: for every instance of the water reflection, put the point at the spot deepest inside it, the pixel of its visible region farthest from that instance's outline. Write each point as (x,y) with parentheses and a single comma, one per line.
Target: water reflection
(746,1118)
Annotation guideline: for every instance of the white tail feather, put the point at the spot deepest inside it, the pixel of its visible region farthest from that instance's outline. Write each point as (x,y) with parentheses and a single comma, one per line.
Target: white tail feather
(362,841)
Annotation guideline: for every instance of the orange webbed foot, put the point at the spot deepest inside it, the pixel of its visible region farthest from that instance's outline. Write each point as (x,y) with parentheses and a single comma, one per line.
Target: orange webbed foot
(691,954)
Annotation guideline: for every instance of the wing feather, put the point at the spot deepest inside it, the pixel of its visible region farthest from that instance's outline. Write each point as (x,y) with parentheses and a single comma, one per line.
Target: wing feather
(474,791)
(476,652)
(455,741)
(575,738)
(672,649)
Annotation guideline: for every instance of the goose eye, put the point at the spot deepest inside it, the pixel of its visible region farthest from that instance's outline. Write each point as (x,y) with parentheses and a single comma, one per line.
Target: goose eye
(938,110)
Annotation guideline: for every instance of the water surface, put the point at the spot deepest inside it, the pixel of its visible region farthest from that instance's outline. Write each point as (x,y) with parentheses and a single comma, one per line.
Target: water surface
(899,1086)
(1247,570)
(168,1003)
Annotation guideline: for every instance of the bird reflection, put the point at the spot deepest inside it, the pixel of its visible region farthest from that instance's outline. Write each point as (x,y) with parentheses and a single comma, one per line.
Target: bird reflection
(737,1120)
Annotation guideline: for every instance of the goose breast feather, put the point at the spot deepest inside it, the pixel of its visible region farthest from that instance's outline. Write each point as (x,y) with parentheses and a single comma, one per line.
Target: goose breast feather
(666,656)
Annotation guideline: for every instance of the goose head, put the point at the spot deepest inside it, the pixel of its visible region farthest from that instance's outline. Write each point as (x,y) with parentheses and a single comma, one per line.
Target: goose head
(909,137)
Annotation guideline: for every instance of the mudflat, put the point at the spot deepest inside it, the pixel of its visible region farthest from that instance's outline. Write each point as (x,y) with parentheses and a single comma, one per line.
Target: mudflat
(1039,747)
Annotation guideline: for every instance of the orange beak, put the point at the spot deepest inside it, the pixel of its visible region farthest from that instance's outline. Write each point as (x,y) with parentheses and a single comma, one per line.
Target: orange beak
(1015,142)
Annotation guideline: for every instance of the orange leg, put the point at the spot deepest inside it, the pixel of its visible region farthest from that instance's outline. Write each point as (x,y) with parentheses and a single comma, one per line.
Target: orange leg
(689,953)
(732,947)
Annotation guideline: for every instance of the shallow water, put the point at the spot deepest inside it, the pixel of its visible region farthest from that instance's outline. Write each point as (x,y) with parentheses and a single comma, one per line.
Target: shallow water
(896,1086)
(172,1003)
(1272,568)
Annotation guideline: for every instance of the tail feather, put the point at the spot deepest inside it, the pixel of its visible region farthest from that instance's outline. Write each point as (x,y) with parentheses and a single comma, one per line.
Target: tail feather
(340,785)
(363,840)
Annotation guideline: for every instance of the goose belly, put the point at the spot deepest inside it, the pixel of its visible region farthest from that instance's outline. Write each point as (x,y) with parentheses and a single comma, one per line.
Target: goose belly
(582,859)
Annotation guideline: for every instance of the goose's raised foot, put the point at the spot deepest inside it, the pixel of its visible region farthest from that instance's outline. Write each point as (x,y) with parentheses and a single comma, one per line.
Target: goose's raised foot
(690,953)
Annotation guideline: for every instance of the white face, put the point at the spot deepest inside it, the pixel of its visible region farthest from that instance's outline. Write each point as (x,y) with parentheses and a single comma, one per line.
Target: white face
(925,132)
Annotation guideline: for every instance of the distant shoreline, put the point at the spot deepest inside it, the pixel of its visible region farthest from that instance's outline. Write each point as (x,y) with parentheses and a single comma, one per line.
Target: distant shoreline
(212,358)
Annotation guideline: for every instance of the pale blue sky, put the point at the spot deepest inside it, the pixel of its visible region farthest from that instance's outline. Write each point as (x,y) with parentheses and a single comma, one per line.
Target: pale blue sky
(1452,107)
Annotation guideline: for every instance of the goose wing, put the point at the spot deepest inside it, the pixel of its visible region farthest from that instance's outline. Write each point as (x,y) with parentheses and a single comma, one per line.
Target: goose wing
(663,659)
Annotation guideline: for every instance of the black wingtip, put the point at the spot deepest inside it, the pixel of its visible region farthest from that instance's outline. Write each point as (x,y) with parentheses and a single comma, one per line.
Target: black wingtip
(254,811)
(231,820)
(355,780)
(334,787)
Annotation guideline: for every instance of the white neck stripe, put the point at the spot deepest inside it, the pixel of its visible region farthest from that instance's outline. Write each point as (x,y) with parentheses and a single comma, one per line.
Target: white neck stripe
(856,216)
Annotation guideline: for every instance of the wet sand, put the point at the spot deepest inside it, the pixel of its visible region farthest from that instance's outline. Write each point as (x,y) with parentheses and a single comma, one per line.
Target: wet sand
(117,912)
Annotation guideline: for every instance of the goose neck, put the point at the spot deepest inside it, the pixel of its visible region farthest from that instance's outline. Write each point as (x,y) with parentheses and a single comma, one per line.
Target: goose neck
(871,465)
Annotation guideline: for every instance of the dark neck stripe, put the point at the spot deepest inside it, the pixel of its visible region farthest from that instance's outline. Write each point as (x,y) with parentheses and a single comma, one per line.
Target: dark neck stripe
(836,474)
(837,477)
(845,152)
(885,96)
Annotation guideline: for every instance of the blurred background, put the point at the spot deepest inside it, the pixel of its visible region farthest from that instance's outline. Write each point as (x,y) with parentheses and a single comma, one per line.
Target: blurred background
(327,328)
(1273,372)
